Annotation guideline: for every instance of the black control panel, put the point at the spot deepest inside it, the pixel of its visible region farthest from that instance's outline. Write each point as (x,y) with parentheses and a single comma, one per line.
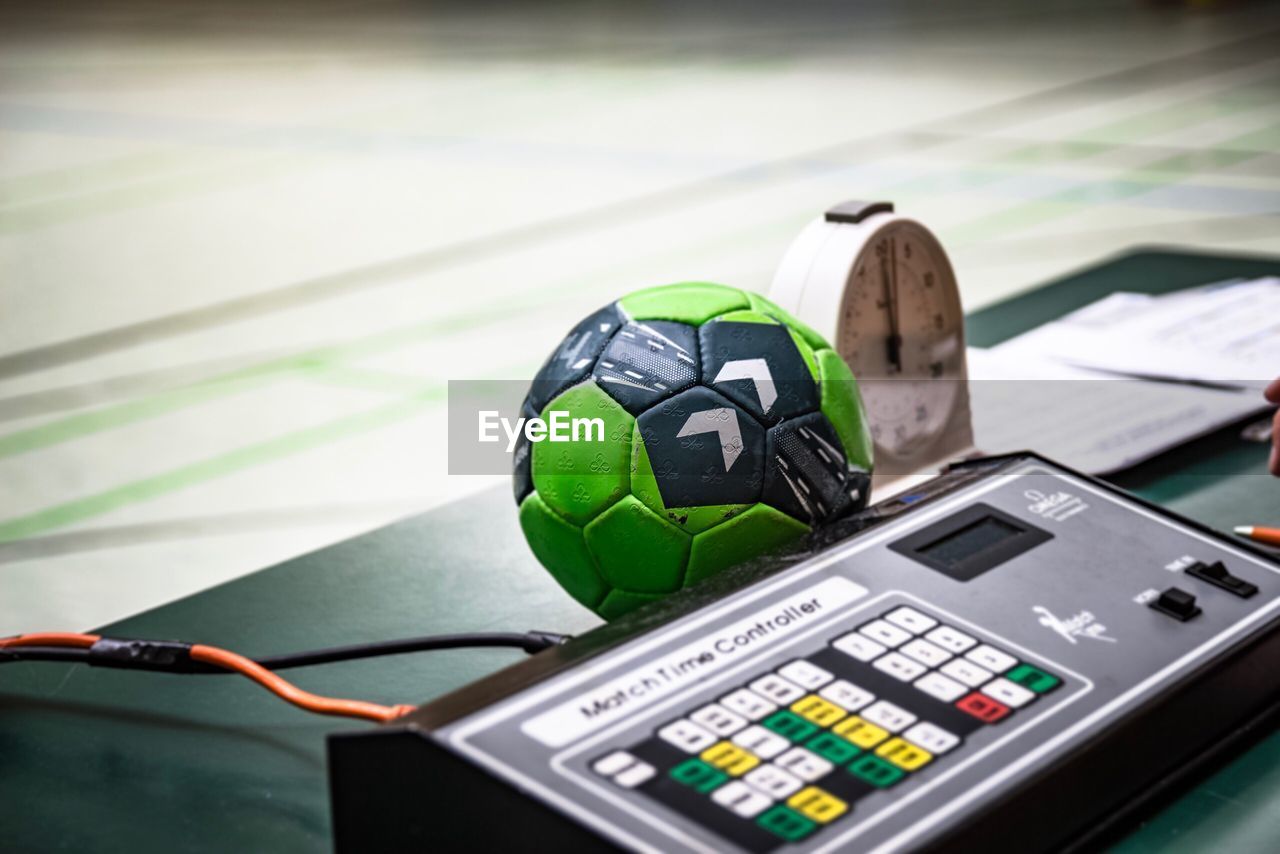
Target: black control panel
(1013,652)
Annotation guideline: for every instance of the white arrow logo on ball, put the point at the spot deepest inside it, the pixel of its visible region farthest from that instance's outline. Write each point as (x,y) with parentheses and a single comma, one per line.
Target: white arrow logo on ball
(723,421)
(755,370)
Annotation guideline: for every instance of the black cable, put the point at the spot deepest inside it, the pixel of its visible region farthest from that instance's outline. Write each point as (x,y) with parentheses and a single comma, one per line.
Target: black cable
(43,653)
(530,642)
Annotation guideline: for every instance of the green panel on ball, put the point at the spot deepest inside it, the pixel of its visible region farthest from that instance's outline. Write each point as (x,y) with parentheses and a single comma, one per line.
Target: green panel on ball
(619,602)
(636,550)
(810,335)
(685,302)
(560,547)
(580,479)
(644,485)
(750,534)
(842,405)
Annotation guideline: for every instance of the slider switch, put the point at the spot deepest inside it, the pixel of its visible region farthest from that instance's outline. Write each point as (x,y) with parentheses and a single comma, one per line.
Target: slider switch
(1176,603)
(1218,575)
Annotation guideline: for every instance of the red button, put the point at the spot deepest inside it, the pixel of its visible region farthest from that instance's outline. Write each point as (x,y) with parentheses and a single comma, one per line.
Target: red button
(982,707)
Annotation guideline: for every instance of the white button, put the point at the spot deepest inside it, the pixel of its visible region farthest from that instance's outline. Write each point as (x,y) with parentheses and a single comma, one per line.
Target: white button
(719,720)
(846,695)
(777,689)
(804,764)
(925,653)
(966,672)
(641,772)
(741,798)
(613,763)
(1009,693)
(941,687)
(991,658)
(899,666)
(773,781)
(952,640)
(805,674)
(885,633)
(859,646)
(887,715)
(749,704)
(687,736)
(761,741)
(911,620)
(932,738)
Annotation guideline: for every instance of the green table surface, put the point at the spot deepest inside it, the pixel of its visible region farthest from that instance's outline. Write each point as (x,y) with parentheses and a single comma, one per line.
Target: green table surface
(95,759)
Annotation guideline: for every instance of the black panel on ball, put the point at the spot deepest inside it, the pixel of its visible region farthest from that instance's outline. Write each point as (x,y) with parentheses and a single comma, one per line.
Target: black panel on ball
(757,366)
(704,450)
(575,358)
(646,362)
(806,473)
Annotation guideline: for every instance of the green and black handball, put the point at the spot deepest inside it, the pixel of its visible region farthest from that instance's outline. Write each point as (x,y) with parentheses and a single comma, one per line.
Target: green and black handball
(730,429)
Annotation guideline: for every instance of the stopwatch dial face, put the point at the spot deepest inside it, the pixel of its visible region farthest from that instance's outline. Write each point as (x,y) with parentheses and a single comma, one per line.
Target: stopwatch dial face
(901,334)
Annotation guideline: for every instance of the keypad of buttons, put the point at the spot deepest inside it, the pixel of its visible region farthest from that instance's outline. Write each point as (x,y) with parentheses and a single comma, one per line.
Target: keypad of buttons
(788,752)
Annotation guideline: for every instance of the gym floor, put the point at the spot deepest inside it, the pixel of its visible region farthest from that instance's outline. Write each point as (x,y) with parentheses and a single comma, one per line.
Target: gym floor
(244,246)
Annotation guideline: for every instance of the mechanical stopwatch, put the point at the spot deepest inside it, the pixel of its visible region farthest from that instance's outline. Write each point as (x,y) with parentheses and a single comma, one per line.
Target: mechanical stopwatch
(880,287)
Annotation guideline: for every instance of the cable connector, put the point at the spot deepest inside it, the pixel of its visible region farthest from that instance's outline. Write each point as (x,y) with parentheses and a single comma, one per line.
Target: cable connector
(537,641)
(132,654)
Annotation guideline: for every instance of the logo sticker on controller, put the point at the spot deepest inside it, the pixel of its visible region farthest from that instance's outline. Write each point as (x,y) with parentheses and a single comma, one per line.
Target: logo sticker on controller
(1058,505)
(1082,625)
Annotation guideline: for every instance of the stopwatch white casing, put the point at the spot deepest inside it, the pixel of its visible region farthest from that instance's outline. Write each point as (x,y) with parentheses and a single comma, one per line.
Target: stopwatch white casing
(858,273)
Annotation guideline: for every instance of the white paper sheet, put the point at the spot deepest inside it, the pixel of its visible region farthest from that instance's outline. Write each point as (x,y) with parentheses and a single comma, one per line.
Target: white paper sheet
(1226,334)
(1098,423)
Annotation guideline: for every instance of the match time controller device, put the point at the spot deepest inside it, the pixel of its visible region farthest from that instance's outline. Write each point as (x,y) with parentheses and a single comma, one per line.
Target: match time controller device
(1008,658)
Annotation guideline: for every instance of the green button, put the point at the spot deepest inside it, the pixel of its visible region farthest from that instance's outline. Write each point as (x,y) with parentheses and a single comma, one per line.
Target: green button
(1033,678)
(698,774)
(787,823)
(876,771)
(832,748)
(791,725)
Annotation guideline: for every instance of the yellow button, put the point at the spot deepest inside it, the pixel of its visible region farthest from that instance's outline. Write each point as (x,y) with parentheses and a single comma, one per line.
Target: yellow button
(818,710)
(730,758)
(865,735)
(904,754)
(817,804)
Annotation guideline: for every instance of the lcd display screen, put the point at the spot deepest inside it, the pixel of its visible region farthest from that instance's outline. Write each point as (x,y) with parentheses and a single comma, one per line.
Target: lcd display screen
(973,539)
(971,542)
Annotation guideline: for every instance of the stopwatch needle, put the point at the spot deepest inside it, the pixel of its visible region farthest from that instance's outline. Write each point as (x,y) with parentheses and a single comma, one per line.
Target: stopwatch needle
(889,276)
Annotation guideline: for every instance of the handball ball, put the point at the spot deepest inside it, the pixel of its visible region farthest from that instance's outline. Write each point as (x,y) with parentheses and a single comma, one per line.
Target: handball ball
(682,430)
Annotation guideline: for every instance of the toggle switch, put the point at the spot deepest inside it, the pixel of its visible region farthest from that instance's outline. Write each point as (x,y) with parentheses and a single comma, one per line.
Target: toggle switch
(1176,603)
(1218,575)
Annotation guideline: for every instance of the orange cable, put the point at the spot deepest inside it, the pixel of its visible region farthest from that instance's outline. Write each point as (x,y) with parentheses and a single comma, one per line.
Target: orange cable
(239,664)
(292,693)
(50,639)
